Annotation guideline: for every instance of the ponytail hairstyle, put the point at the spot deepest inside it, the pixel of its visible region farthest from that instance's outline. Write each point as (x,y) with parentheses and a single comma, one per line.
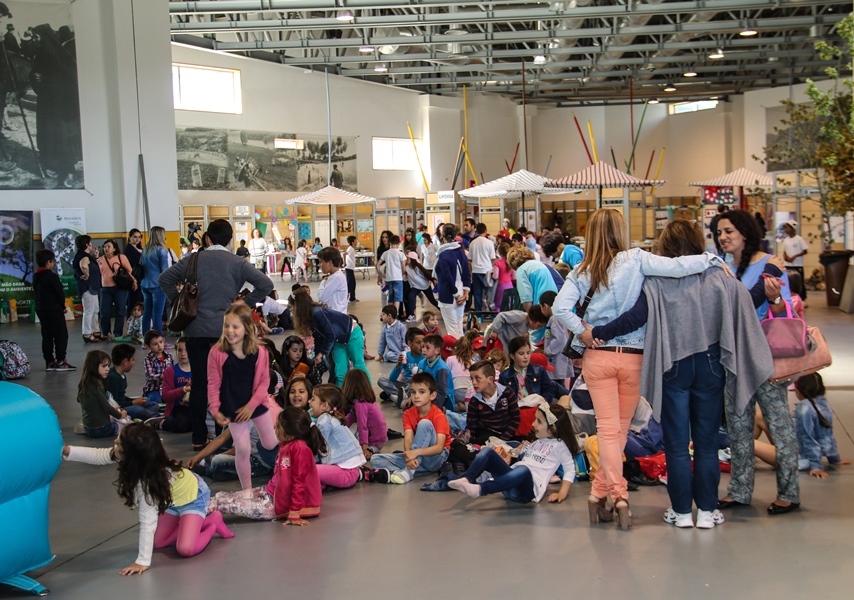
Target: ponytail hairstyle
(357,388)
(811,386)
(296,425)
(463,349)
(496,356)
(331,394)
(90,375)
(562,429)
(144,464)
(746,225)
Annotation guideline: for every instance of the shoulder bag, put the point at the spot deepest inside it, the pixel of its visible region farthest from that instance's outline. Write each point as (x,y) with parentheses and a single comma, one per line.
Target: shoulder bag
(786,335)
(121,277)
(568,350)
(185,309)
(817,358)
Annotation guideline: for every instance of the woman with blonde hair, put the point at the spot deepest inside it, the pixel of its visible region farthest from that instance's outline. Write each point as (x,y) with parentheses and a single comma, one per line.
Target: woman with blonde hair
(155,260)
(532,277)
(609,281)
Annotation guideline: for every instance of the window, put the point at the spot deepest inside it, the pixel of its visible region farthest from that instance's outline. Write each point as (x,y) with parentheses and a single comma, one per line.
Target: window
(395,154)
(206,89)
(679,108)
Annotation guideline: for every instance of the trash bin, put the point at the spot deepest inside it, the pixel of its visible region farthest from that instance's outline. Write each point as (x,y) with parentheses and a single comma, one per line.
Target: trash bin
(835,263)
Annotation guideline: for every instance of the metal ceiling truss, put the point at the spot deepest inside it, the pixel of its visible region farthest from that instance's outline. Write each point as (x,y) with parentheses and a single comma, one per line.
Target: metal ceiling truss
(575,52)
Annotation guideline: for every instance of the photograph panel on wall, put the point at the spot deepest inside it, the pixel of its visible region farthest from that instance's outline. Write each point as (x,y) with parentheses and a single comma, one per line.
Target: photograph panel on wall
(259,161)
(40,141)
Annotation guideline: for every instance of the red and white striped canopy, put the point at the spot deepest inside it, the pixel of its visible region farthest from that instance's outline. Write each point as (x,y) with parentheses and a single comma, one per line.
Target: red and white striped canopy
(599,175)
(332,196)
(740,178)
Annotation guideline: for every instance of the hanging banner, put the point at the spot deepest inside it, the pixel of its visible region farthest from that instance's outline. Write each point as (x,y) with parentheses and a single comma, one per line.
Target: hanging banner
(60,227)
(16,258)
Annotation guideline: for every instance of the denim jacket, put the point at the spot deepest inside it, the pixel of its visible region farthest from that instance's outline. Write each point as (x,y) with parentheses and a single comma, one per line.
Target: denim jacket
(153,263)
(341,444)
(815,441)
(625,280)
(329,326)
(537,381)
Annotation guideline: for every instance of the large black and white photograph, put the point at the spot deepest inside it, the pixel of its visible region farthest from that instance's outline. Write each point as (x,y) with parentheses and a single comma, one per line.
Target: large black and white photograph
(262,161)
(40,141)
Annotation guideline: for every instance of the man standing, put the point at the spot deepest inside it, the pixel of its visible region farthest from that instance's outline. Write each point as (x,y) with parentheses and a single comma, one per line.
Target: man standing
(794,249)
(468,232)
(220,276)
(482,257)
(336,178)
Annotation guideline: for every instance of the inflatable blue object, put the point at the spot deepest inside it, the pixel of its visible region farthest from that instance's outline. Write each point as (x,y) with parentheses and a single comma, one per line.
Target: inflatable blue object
(30,427)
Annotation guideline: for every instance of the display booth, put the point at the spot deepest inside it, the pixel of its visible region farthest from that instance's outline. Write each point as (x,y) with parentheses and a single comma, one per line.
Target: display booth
(439,208)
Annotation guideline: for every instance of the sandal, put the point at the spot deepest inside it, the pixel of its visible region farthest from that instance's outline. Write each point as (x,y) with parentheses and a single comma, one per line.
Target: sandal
(599,509)
(90,339)
(624,513)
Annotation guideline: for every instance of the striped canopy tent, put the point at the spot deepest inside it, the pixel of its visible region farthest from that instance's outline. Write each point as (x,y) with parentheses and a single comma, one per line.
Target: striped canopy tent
(740,178)
(331,196)
(600,176)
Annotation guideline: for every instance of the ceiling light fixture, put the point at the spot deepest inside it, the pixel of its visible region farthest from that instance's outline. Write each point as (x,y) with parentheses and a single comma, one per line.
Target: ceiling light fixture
(540,59)
(717,54)
(748,32)
(653,101)
(381,68)
(456,30)
(670,88)
(366,49)
(345,15)
(690,73)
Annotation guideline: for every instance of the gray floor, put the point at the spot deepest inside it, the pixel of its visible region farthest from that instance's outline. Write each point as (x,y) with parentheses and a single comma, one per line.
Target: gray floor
(376,541)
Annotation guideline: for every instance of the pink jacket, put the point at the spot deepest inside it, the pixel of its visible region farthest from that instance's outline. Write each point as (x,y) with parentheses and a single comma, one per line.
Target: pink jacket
(370,423)
(216,359)
(295,485)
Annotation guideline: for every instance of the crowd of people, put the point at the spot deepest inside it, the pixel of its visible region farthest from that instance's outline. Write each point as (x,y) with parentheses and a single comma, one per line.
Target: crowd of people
(568,360)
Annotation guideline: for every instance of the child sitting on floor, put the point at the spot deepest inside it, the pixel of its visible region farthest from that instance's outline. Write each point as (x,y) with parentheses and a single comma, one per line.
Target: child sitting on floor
(528,479)
(140,408)
(393,336)
(100,417)
(524,377)
(134,333)
(430,321)
(298,392)
(156,363)
(426,438)
(395,388)
(433,364)
(363,410)
(340,465)
(176,394)
(493,410)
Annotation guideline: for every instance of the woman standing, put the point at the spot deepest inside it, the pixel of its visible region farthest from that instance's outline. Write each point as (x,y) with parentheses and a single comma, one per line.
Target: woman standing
(88,277)
(133,252)
(111,294)
(740,237)
(384,245)
(611,277)
(258,251)
(155,260)
(287,248)
(453,279)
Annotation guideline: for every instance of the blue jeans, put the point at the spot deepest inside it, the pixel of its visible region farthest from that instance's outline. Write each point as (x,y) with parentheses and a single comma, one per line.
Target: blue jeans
(395,291)
(153,302)
(111,429)
(691,408)
(478,289)
(516,484)
(142,412)
(113,296)
(425,436)
(457,421)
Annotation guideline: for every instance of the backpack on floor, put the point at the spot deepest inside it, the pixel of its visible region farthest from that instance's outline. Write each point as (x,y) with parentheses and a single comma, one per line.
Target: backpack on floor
(14,364)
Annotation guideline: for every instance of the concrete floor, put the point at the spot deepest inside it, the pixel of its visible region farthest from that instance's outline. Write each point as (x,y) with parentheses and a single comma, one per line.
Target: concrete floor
(376,541)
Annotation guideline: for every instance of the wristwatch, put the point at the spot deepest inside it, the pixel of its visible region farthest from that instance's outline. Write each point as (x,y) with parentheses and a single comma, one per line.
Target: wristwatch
(776,300)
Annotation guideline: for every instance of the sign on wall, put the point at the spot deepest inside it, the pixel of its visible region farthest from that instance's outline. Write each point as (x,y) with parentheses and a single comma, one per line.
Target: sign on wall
(240,160)
(41,147)
(60,227)
(16,257)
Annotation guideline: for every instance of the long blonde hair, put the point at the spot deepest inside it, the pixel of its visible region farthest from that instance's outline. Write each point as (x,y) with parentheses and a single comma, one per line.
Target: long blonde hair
(156,239)
(605,239)
(250,340)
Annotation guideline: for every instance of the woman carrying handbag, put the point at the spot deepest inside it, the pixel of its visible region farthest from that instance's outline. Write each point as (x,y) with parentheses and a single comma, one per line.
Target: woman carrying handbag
(116,283)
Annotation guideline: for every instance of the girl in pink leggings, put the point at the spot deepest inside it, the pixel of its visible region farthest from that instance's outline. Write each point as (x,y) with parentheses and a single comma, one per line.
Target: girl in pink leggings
(172,501)
(340,466)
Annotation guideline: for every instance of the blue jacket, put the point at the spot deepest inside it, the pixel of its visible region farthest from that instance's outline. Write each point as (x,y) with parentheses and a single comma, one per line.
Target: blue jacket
(329,326)
(815,441)
(341,444)
(537,381)
(153,263)
(450,257)
(444,381)
(393,338)
(555,275)
(408,370)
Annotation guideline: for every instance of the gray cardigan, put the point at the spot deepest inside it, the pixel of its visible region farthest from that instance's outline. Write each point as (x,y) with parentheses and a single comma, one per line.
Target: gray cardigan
(688,315)
(222,275)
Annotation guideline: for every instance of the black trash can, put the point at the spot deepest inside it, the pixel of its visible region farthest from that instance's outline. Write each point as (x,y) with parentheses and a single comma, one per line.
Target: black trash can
(835,263)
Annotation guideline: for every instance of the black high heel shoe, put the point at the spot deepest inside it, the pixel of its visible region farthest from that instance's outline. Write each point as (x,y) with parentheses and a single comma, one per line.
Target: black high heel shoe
(776,509)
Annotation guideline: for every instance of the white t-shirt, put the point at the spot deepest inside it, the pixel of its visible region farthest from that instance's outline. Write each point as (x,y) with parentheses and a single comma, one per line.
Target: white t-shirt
(300,258)
(394,260)
(350,259)
(429,256)
(333,292)
(481,254)
(542,459)
(795,245)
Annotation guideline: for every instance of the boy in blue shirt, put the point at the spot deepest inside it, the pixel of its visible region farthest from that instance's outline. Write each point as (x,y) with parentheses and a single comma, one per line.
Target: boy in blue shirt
(394,388)
(433,364)
(392,337)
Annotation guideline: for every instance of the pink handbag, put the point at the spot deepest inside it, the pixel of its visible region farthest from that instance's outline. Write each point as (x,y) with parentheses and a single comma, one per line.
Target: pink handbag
(817,358)
(787,336)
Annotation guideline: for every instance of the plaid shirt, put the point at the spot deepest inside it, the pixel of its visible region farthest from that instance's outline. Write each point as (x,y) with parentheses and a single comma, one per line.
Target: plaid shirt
(154,369)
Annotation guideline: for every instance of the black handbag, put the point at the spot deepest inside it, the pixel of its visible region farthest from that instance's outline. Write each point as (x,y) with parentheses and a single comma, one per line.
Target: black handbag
(122,279)
(569,351)
(185,308)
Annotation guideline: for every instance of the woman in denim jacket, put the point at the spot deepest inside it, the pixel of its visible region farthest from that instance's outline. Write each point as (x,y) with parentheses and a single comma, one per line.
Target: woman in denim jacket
(335,334)
(155,260)
(613,372)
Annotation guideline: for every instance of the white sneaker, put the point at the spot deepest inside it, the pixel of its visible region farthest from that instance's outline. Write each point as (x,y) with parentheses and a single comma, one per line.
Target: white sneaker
(708,519)
(678,519)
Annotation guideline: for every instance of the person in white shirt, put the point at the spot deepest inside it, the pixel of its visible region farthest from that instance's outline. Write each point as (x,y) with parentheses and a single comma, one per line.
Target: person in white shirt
(428,252)
(482,258)
(794,249)
(394,259)
(350,268)
(333,289)
(258,251)
(300,262)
